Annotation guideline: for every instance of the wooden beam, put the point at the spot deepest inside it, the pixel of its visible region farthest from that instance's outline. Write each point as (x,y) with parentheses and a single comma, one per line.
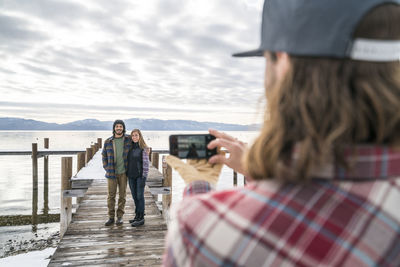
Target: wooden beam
(74,193)
(160,190)
(81,184)
(52,152)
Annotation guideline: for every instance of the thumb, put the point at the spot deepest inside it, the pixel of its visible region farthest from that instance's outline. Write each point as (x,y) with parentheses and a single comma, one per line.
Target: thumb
(218,159)
(174,162)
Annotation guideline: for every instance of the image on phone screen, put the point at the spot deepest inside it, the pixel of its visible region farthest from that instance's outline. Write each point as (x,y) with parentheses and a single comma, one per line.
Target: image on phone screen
(191,146)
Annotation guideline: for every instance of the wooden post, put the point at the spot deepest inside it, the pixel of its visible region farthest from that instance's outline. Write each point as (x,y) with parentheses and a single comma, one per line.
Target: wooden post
(93,150)
(34,166)
(46,179)
(46,142)
(80,164)
(167,181)
(100,142)
(150,153)
(80,161)
(66,202)
(155,158)
(34,186)
(88,155)
(234,178)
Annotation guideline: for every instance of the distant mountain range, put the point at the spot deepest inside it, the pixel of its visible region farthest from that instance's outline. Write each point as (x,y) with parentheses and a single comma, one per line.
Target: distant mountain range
(143,124)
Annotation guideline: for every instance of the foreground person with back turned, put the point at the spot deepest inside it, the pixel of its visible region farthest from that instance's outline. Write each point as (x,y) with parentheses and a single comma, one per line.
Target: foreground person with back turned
(115,162)
(325,169)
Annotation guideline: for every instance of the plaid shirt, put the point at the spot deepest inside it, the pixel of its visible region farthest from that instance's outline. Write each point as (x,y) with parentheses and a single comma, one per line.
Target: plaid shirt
(339,219)
(108,155)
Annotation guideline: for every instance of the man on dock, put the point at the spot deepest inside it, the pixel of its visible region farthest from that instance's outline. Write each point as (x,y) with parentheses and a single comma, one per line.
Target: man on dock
(115,152)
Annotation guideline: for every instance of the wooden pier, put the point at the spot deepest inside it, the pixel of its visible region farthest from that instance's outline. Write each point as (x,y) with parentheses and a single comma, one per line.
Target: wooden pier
(87,242)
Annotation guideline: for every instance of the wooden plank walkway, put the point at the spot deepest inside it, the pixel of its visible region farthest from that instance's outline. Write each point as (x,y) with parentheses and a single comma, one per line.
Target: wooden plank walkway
(87,242)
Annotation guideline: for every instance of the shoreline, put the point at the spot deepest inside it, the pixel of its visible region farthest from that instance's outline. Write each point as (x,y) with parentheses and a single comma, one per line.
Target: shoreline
(15,220)
(14,247)
(15,240)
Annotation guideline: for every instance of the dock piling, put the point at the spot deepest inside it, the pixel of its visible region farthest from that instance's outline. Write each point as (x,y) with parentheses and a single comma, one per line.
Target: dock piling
(150,152)
(66,202)
(155,159)
(100,142)
(34,186)
(167,182)
(34,166)
(80,164)
(93,151)
(89,152)
(46,179)
(80,161)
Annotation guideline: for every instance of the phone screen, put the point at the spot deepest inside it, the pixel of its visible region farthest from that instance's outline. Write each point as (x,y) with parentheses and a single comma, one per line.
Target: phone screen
(191,146)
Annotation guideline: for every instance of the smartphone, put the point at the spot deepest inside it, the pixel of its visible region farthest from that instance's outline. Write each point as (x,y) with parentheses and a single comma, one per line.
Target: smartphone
(191,146)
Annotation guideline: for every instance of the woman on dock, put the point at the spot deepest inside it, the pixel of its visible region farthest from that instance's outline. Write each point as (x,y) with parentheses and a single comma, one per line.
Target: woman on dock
(138,169)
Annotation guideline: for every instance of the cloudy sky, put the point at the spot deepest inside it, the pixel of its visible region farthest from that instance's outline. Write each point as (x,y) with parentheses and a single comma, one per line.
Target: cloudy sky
(66,60)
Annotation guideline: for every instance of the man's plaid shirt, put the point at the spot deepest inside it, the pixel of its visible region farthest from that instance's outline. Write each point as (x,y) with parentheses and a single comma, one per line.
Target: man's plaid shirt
(338,219)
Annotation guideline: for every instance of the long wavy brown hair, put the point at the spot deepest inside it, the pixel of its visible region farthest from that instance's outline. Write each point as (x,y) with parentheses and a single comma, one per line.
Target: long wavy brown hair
(325,105)
(142,143)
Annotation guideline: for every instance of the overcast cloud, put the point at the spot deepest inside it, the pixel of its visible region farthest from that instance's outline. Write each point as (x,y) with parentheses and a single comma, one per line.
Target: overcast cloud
(66,60)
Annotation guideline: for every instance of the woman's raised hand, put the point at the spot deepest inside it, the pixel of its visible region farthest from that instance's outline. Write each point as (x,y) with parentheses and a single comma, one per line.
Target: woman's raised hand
(236,150)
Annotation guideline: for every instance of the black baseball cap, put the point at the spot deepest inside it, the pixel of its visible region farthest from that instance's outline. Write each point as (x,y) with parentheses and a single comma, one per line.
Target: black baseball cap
(321,28)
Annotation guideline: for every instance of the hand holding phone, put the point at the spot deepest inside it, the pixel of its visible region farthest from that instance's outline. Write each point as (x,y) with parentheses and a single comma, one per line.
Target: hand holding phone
(191,146)
(236,149)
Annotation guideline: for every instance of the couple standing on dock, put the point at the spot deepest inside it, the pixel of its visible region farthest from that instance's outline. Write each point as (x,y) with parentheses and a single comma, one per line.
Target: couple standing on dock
(125,158)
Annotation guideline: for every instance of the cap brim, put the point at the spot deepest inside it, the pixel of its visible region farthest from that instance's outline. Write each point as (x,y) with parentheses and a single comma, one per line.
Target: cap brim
(251,53)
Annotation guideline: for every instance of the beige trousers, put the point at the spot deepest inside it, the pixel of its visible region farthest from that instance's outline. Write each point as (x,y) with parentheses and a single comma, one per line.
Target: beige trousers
(120,182)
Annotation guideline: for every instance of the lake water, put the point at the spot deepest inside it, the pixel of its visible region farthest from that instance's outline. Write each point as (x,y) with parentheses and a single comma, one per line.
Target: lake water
(16,171)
